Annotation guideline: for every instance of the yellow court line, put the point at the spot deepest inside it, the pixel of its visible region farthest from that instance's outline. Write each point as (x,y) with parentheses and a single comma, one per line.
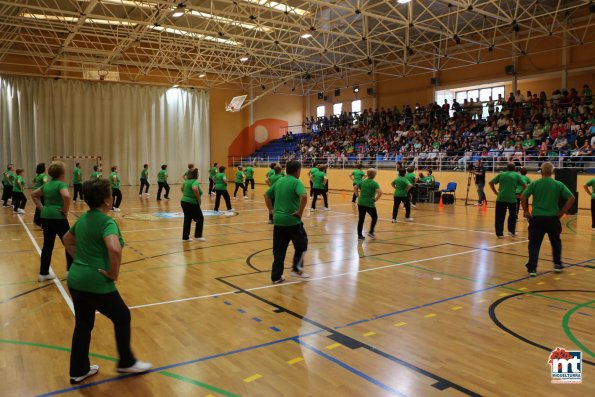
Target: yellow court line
(430,315)
(333,346)
(369,333)
(481,300)
(557,278)
(295,360)
(588,270)
(456,308)
(522,289)
(503,294)
(572,274)
(252,378)
(400,324)
(541,283)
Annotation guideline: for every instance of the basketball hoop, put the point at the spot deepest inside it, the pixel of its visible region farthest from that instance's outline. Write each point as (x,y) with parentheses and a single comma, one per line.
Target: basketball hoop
(235,104)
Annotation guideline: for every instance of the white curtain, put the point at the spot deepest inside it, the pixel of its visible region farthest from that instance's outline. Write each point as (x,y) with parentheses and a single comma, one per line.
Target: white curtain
(128,125)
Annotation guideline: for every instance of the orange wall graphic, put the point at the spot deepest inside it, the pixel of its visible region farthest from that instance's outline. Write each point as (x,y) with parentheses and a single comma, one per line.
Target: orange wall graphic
(256,136)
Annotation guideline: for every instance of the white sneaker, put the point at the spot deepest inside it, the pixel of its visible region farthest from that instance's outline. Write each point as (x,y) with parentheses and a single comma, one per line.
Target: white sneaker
(234,198)
(231,209)
(300,274)
(93,370)
(6,206)
(138,368)
(245,197)
(73,201)
(146,194)
(413,206)
(47,277)
(408,219)
(271,222)
(500,237)
(140,195)
(512,234)
(312,209)
(21,211)
(326,209)
(393,221)
(187,240)
(200,239)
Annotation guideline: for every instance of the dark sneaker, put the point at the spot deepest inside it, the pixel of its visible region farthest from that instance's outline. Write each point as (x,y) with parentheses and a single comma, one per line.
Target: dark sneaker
(361,238)
(372,236)
(558,267)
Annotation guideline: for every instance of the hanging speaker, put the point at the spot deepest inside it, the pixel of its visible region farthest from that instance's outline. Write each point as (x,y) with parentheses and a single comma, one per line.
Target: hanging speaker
(509,69)
(434,81)
(370,91)
(337,92)
(320,95)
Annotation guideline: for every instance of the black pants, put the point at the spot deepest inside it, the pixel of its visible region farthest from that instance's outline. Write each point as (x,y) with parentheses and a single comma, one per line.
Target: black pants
(397,203)
(501,208)
(113,307)
(162,185)
(282,235)
(6,193)
(593,213)
(225,195)
(362,215)
(192,212)
(239,185)
(19,200)
(324,196)
(211,185)
(413,194)
(311,188)
(117,195)
(78,191)
(518,205)
(354,197)
(144,183)
(37,215)
(250,182)
(539,226)
(51,229)
(270,214)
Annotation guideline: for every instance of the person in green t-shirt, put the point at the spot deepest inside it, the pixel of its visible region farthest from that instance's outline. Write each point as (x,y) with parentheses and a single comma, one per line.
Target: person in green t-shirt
(96,174)
(249,177)
(586,186)
(221,189)
(402,186)
(77,182)
(162,183)
(319,180)
(114,179)
(144,181)
(239,181)
(508,182)
(313,171)
(54,216)
(368,192)
(187,173)
(412,178)
(212,173)
(356,177)
(7,181)
(191,193)
(545,218)
(519,189)
(40,179)
(18,197)
(96,244)
(290,199)
(271,181)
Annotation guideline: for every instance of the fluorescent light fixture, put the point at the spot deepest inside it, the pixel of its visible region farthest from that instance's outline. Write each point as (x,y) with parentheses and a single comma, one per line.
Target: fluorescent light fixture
(278,6)
(228,21)
(200,36)
(177,14)
(306,35)
(243,59)
(175,86)
(403,1)
(60,18)
(202,75)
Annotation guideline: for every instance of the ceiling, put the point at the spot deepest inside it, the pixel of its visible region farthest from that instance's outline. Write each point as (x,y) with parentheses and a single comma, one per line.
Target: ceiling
(206,43)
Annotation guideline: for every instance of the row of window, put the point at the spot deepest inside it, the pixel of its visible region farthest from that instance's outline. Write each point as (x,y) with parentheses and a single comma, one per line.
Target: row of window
(356,107)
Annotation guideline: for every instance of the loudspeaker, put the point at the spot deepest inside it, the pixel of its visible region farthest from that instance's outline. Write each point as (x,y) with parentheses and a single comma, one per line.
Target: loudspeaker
(370,91)
(509,69)
(325,98)
(337,92)
(320,95)
(568,176)
(434,81)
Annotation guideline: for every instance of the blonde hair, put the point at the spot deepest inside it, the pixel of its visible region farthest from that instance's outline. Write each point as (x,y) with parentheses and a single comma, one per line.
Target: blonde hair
(371,172)
(547,168)
(56,169)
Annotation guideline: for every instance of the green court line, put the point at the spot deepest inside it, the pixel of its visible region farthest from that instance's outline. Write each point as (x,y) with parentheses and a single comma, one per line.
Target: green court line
(572,229)
(112,359)
(569,333)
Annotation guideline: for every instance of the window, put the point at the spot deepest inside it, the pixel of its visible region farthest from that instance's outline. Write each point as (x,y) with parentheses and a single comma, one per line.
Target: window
(483,92)
(320,110)
(356,106)
(337,107)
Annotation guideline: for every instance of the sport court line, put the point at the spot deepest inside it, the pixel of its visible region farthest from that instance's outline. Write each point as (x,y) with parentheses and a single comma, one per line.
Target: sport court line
(56,280)
(325,277)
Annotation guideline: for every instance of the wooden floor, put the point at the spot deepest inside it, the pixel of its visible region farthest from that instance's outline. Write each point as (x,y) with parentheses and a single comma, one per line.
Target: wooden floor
(439,307)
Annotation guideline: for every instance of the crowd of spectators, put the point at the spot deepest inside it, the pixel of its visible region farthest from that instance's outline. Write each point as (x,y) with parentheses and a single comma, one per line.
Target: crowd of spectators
(519,128)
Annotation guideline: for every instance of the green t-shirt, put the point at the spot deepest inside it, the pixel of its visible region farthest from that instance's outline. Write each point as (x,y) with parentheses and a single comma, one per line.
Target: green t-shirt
(358,176)
(162,176)
(411,177)
(318,182)
(508,182)
(519,188)
(39,180)
(274,178)
(528,143)
(239,177)
(10,179)
(219,181)
(116,184)
(15,185)
(313,171)
(90,253)
(77,176)
(249,173)
(144,174)
(95,175)
(428,179)
(270,173)
(401,183)
(187,192)
(367,193)
(286,193)
(591,184)
(546,196)
(53,201)
(212,172)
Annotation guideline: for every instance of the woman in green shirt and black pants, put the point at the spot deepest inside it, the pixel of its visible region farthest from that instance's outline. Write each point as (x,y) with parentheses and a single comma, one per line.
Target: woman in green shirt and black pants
(40,179)
(162,182)
(18,197)
(144,180)
(191,193)
(96,243)
(221,189)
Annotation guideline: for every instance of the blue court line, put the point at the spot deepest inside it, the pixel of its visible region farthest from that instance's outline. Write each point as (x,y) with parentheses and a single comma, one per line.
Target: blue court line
(176,365)
(349,368)
(227,303)
(242,311)
(275,329)
(258,320)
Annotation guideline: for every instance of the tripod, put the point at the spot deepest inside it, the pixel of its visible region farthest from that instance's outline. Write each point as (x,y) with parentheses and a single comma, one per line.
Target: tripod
(470,176)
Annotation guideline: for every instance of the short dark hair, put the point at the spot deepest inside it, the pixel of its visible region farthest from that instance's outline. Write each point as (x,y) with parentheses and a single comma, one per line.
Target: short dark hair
(96,191)
(510,167)
(163,166)
(114,167)
(77,164)
(402,171)
(193,174)
(410,169)
(190,166)
(145,165)
(523,171)
(272,165)
(359,166)
(40,168)
(429,171)
(215,165)
(222,168)
(95,168)
(292,167)
(278,169)
(19,171)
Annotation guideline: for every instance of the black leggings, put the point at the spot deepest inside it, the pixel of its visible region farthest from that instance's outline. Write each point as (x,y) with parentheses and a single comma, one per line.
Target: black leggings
(78,191)
(211,185)
(225,195)
(397,203)
(6,193)
(362,215)
(117,195)
(144,183)
(324,196)
(250,182)
(192,212)
(113,307)
(19,200)
(239,185)
(51,229)
(162,185)
(37,215)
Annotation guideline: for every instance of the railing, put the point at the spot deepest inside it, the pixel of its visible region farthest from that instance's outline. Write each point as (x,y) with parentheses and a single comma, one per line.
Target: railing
(438,161)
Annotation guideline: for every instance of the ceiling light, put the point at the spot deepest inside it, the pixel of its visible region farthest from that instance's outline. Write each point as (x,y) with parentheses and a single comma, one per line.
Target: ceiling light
(243,59)
(306,35)
(403,1)
(177,14)
(175,86)
(202,75)
(356,88)
(75,19)
(228,21)
(186,33)
(279,7)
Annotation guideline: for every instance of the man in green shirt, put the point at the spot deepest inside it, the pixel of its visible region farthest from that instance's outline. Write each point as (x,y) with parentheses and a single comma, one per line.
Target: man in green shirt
(368,192)
(77,182)
(239,181)
(508,182)
(270,182)
(519,189)
(545,218)
(7,181)
(249,177)
(591,184)
(356,177)
(221,189)
(114,179)
(18,197)
(413,190)
(319,181)
(290,199)
(40,179)
(144,181)
(313,171)
(187,173)
(212,173)
(402,186)
(96,174)
(162,182)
